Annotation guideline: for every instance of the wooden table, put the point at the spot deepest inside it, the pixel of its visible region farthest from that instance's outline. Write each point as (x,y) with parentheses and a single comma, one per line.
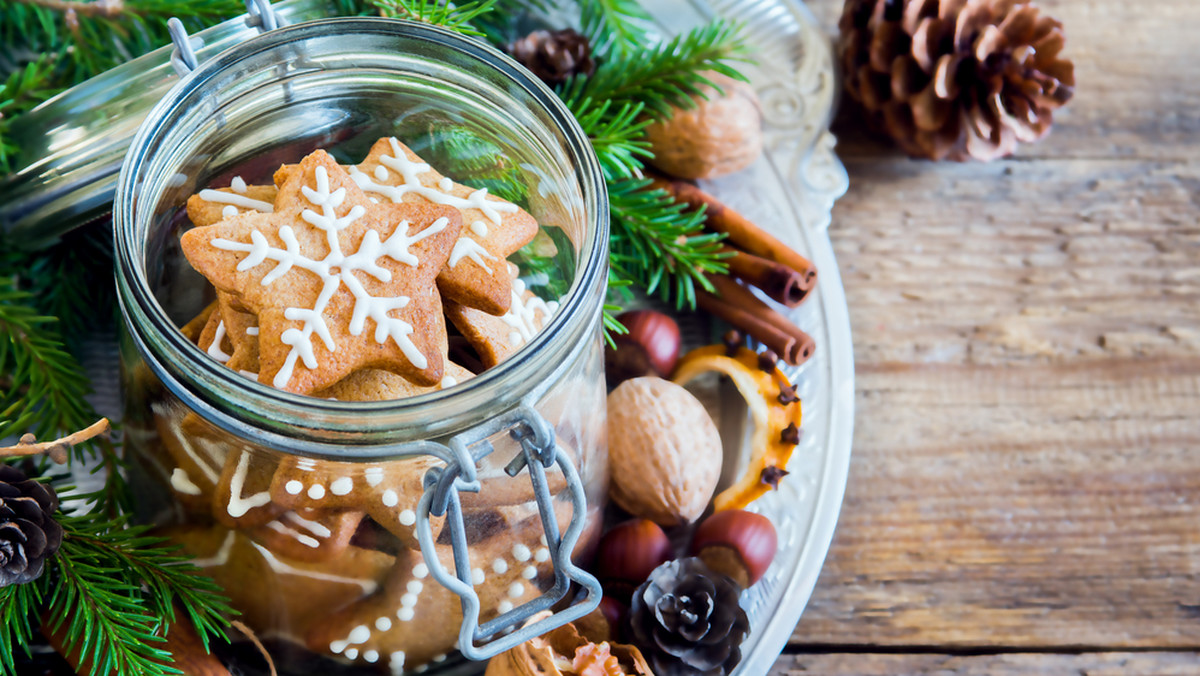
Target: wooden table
(1024,496)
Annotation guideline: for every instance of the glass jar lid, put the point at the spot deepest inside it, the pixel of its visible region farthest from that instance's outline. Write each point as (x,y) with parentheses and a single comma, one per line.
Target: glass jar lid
(75,142)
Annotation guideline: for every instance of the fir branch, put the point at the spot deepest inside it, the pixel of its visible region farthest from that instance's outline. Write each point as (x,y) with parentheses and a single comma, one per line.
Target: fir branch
(657,245)
(18,607)
(71,280)
(25,88)
(117,589)
(454,16)
(614,27)
(665,75)
(616,134)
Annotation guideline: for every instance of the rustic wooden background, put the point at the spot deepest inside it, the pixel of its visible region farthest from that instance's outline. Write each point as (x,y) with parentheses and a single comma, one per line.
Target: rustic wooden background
(1024,496)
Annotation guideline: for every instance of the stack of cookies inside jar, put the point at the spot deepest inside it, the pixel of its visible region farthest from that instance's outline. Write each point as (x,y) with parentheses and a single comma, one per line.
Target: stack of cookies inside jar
(371,282)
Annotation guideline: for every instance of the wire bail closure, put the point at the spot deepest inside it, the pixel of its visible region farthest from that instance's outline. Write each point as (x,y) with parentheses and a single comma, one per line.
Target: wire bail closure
(259,14)
(539,452)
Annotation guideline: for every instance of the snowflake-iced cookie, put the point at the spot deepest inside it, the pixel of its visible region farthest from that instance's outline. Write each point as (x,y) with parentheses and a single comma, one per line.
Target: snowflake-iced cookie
(209,206)
(498,338)
(476,274)
(320,266)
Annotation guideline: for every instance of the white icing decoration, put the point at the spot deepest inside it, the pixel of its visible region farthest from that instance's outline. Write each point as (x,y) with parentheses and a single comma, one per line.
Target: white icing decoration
(221,557)
(249,374)
(311,526)
(214,350)
(529,573)
(316,491)
(359,634)
(368,586)
(415,586)
(410,172)
(445,185)
(408,517)
(192,453)
(479,228)
(420,571)
(542,539)
(448,382)
(477,576)
(516,590)
(238,505)
(500,566)
(408,599)
(396,662)
(522,315)
(238,185)
(466,247)
(293,487)
(390,498)
(381,173)
(504,606)
(371,656)
(221,197)
(383,624)
(341,486)
(306,540)
(337,647)
(373,475)
(183,484)
(542,555)
(370,249)
(351,653)
(439,658)
(405,614)
(521,552)
(229,211)
(251,330)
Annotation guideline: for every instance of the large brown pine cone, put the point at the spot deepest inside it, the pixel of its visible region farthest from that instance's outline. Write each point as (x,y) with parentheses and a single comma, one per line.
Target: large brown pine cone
(687,620)
(554,56)
(28,532)
(955,79)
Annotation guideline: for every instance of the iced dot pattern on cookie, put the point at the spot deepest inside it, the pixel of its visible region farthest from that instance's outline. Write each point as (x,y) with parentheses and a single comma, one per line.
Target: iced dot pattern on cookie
(338,283)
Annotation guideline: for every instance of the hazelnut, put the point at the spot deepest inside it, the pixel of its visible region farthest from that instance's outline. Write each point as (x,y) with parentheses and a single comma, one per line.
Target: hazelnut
(631,550)
(737,543)
(664,450)
(718,136)
(651,347)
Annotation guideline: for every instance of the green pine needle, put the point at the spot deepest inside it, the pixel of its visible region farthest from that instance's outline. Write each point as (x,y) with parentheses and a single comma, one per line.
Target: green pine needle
(117,590)
(614,27)
(665,75)
(19,604)
(454,16)
(25,88)
(657,245)
(616,133)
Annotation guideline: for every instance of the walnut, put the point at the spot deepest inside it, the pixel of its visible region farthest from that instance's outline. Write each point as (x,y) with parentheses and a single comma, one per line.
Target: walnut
(719,136)
(664,450)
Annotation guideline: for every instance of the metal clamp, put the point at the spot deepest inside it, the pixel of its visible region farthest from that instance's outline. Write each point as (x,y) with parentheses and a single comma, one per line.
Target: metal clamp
(259,14)
(539,452)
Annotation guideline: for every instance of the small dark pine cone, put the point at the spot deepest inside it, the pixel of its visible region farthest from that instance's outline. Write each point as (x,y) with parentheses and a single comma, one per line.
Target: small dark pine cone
(955,79)
(687,621)
(554,56)
(28,532)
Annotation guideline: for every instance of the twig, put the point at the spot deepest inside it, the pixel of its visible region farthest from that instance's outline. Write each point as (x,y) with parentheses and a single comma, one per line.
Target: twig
(105,8)
(56,450)
(257,644)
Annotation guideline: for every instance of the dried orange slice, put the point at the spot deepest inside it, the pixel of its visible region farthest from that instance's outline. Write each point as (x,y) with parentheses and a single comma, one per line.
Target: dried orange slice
(774,407)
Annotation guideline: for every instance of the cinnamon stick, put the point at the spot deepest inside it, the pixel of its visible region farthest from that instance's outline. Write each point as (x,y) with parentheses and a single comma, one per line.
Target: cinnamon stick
(781,283)
(742,233)
(738,306)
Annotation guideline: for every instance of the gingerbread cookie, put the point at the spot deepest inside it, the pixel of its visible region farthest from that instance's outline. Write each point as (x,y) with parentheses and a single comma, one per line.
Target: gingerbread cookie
(309,535)
(476,274)
(209,207)
(313,299)
(195,326)
(498,338)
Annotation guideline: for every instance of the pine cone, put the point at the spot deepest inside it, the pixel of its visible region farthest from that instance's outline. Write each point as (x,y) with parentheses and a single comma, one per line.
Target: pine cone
(28,532)
(554,57)
(687,620)
(955,79)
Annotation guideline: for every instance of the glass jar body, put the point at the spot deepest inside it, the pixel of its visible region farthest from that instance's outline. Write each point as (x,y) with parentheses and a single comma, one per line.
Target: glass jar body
(308,511)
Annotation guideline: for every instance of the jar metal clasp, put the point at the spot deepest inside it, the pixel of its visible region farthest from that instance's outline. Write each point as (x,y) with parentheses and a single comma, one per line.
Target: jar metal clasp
(259,14)
(539,452)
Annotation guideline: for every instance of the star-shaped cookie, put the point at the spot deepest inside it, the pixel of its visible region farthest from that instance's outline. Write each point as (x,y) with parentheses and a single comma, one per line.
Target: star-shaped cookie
(476,274)
(338,282)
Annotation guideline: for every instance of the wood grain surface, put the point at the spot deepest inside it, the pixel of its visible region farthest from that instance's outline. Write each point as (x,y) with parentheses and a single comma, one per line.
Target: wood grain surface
(1024,494)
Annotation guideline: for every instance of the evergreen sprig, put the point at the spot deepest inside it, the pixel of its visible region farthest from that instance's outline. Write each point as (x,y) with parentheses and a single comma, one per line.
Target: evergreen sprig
(614,27)
(658,245)
(616,133)
(664,75)
(19,604)
(23,89)
(454,16)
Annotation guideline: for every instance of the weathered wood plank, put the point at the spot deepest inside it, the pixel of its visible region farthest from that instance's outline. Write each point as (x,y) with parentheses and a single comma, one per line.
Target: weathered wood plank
(1019,664)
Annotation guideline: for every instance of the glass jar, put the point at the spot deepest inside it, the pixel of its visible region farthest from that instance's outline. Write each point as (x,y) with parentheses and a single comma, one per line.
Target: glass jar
(387,532)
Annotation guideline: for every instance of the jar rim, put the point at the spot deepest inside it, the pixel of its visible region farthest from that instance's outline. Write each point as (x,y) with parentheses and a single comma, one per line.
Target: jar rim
(324,428)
